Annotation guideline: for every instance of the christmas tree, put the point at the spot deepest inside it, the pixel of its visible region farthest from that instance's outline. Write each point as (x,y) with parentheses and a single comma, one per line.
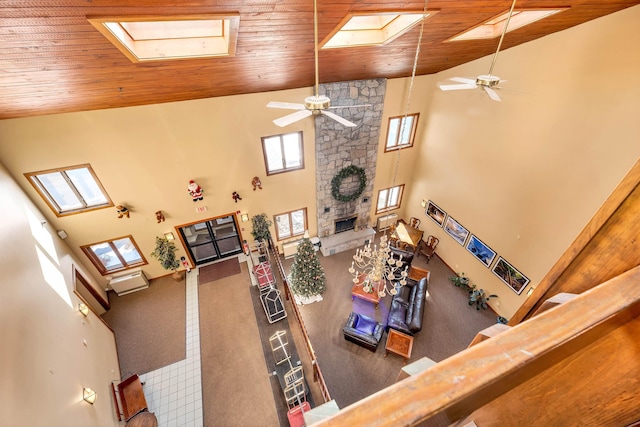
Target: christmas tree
(307,275)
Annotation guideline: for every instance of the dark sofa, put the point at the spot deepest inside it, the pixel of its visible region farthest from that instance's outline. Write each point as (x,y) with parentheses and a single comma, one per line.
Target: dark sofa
(407,257)
(407,307)
(363,330)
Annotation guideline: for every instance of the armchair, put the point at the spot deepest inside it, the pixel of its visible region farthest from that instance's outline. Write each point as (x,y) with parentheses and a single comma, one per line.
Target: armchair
(363,330)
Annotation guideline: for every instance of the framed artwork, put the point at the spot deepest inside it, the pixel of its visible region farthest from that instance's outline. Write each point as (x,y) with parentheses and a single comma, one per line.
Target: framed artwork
(435,213)
(510,276)
(455,230)
(481,251)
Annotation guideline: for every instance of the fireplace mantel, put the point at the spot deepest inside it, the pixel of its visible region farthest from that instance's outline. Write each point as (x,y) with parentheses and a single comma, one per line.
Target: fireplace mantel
(345,241)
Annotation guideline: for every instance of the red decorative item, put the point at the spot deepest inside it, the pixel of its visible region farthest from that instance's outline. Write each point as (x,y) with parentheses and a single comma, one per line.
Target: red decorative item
(185,264)
(195,190)
(235,196)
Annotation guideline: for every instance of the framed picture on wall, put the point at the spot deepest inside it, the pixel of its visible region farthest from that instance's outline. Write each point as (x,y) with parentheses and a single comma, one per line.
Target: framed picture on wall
(482,252)
(435,213)
(510,276)
(456,230)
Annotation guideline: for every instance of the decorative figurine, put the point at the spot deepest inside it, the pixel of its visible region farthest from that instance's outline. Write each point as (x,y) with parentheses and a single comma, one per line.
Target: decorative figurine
(159,216)
(195,190)
(236,196)
(122,211)
(256,183)
(185,263)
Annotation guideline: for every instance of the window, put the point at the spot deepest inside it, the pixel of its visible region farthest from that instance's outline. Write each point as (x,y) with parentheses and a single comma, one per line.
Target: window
(114,255)
(401,131)
(70,190)
(389,199)
(372,28)
(290,224)
(283,153)
(160,38)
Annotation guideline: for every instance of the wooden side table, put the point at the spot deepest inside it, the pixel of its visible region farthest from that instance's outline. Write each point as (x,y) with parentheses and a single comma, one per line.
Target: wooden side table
(399,343)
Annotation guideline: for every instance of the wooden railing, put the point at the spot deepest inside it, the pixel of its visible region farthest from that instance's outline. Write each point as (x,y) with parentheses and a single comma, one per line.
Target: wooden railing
(579,361)
(317,372)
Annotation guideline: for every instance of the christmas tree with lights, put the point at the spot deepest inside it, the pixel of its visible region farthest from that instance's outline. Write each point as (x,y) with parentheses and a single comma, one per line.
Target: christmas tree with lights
(307,276)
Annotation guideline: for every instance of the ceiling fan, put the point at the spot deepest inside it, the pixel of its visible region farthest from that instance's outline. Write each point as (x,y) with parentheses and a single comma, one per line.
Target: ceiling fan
(313,105)
(488,82)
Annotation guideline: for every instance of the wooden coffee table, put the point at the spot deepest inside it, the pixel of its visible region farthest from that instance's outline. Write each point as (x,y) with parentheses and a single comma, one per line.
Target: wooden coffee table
(399,343)
(357,291)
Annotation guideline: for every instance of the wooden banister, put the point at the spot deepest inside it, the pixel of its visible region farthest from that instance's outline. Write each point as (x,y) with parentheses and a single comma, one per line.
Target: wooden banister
(456,387)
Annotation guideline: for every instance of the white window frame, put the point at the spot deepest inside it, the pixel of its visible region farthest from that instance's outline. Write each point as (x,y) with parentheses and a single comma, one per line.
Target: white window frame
(286,216)
(391,198)
(66,179)
(404,136)
(124,264)
(297,163)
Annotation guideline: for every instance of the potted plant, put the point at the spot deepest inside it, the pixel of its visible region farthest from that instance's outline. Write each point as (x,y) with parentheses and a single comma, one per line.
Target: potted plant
(479,298)
(165,253)
(461,281)
(260,224)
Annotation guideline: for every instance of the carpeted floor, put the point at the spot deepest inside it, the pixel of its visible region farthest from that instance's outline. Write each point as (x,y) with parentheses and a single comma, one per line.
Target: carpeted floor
(149,326)
(236,388)
(219,270)
(353,372)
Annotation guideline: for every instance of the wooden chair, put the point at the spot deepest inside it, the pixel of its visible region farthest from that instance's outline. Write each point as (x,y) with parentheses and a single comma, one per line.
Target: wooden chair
(414,222)
(428,248)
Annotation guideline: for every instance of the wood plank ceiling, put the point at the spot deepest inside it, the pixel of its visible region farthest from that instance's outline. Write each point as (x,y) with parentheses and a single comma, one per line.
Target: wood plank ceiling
(52,60)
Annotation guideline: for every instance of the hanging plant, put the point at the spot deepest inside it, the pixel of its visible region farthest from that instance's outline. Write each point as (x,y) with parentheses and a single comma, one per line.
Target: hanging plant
(336,182)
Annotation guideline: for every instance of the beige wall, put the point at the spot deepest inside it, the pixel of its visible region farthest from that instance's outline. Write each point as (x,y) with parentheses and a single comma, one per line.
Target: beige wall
(43,362)
(527,173)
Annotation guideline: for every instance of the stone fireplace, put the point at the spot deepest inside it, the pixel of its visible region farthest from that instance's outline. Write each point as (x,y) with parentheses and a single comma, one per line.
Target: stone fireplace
(337,147)
(345,224)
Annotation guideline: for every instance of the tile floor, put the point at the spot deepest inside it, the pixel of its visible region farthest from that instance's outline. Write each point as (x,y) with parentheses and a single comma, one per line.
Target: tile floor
(174,392)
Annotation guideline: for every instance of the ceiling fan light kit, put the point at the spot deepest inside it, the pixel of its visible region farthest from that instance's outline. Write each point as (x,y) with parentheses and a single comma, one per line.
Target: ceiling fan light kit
(313,105)
(488,82)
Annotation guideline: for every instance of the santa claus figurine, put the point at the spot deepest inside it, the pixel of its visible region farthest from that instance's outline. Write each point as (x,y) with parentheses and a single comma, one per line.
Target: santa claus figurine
(195,191)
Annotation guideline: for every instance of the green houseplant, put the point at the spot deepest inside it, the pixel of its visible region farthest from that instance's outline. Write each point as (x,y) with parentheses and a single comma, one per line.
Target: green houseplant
(461,281)
(479,298)
(165,253)
(260,227)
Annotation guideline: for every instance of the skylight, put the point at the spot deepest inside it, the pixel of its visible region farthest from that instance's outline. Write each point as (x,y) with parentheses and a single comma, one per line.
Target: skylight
(371,28)
(175,37)
(494,26)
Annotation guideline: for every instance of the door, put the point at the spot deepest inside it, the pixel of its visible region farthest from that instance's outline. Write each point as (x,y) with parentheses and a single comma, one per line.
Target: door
(212,239)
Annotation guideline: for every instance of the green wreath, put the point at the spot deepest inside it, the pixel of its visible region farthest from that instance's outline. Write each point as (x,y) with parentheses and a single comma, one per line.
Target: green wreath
(336,182)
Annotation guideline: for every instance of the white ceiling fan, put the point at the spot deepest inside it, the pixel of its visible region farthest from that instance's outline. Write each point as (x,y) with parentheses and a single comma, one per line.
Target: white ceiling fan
(313,105)
(488,82)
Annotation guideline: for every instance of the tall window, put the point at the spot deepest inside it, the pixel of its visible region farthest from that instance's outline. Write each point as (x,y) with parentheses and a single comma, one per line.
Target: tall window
(290,224)
(114,255)
(70,190)
(283,153)
(389,198)
(401,131)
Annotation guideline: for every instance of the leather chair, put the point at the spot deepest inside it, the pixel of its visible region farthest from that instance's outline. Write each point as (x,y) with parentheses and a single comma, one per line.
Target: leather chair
(428,248)
(363,330)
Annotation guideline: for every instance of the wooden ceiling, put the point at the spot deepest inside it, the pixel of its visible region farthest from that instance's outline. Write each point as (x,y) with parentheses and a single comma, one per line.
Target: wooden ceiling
(52,60)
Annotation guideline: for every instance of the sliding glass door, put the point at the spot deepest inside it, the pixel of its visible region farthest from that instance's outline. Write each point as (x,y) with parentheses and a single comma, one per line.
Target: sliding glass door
(211,240)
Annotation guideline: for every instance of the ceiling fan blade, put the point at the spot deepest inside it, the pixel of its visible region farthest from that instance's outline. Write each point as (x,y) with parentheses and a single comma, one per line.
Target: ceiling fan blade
(338,118)
(463,80)
(292,118)
(349,106)
(492,93)
(286,105)
(458,87)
